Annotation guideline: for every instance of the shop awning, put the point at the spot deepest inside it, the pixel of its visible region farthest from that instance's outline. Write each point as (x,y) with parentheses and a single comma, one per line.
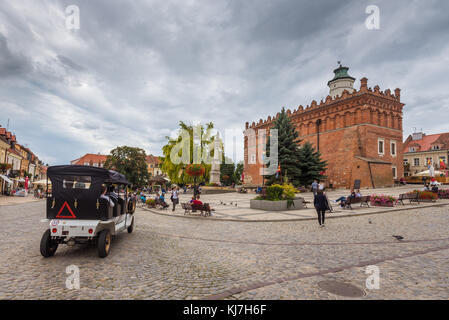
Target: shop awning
(7,180)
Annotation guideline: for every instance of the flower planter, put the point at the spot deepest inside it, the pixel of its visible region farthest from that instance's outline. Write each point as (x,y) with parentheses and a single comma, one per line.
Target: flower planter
(390,204)
(282,205)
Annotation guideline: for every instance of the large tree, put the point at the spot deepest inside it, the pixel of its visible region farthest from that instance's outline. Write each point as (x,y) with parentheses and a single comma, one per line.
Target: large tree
(176,171)
(310,164)
(227,172)
(288,151)
(129,161)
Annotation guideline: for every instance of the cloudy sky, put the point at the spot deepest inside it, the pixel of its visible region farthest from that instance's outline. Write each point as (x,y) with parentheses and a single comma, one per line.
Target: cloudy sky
(135,68)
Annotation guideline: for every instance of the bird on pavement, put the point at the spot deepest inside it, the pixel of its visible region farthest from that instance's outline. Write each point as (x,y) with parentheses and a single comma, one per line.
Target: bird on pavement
(398,237)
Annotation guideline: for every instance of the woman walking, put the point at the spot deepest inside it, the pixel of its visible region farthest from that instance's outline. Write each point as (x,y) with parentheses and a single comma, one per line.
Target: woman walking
(321,205)
(174,197)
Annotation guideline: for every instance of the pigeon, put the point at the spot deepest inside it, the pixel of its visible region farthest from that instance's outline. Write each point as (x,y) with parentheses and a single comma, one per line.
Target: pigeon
(398,237)
(369,221)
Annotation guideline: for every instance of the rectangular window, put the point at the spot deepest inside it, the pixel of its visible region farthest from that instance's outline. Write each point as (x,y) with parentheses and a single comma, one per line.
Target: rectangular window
(416,162)
(380,146)
(252,159)
(405,161)
(393,148)
(81,182)
(395,176)
(411,149)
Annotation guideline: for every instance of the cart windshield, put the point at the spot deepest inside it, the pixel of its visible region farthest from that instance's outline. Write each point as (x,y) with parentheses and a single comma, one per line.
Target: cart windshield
(76,182)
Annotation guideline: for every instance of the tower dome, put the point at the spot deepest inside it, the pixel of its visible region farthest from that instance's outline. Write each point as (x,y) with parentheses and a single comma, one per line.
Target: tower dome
(341,82)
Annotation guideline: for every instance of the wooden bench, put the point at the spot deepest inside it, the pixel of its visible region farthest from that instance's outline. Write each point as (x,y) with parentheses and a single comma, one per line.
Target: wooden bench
(203,208)
(412,197)
(363,200)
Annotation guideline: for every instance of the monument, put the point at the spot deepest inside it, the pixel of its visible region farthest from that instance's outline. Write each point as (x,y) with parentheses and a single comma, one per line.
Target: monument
(215,169)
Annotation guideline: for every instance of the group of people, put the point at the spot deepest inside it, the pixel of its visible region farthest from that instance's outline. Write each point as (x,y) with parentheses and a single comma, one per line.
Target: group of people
(321,201)
(432,186)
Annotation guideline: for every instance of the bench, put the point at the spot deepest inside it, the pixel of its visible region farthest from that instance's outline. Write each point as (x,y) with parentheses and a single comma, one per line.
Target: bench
(412,197)
(363,200)
(203,208)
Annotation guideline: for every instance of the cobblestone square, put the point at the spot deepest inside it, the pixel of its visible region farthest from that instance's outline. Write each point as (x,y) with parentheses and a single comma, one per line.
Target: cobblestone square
(169,257)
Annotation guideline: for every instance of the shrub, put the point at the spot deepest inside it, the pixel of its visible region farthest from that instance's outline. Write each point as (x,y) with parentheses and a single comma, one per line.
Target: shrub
(274,192)
(150,202)
(278,192)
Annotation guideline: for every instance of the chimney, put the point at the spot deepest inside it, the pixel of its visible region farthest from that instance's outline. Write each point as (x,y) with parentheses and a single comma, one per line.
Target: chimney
(364,83)
(397,93)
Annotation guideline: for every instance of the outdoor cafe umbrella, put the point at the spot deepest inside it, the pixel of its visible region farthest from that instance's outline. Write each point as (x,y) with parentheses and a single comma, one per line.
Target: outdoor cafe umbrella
(42,182)
(428,173)
(158,179)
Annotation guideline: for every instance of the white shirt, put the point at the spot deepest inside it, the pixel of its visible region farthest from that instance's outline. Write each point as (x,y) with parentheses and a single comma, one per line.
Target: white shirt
(111,203)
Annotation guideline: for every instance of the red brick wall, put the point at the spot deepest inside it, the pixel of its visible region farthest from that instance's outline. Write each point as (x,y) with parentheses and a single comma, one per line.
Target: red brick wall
(351,126)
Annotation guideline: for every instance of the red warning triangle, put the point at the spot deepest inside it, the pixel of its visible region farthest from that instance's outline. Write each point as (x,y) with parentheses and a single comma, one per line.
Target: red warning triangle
(72,216)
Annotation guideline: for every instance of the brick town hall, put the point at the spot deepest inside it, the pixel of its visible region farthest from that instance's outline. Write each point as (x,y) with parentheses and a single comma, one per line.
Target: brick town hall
(358,132)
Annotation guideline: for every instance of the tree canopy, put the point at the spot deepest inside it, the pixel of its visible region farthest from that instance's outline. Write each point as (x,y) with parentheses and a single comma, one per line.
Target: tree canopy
(186,147)
(288,151)
(129,161)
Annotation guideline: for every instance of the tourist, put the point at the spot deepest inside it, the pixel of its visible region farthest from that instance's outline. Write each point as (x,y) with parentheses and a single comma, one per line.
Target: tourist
(314,187)
(321,205)
(174,197)
(161,201)
(402,181)
(104,196)
(343,199)
(197,200)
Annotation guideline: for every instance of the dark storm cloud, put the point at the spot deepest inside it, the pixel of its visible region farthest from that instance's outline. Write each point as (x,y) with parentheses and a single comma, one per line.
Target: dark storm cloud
(135,69)
(11,63)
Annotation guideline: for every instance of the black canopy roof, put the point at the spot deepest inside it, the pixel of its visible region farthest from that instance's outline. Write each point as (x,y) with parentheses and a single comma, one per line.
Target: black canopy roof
(109,176)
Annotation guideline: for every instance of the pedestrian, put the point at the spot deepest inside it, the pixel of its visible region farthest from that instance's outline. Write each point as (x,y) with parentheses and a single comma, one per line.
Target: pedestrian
(321,205)
(174,197)
(314,187)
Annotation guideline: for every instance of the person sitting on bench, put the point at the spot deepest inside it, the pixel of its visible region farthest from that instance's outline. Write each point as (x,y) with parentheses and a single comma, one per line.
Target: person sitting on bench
(197,200)
(343,199)
(104,196)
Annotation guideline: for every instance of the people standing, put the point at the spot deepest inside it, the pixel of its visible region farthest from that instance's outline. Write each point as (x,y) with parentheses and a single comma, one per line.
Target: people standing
(175,197)
(321,205)
(314,187)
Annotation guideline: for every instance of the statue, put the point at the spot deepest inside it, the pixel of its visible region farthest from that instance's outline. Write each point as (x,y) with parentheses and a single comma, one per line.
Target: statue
(215,169)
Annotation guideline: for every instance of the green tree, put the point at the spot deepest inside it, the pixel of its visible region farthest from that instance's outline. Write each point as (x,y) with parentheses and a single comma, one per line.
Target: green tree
(130,162)
(227,172)
(176,171)
(310,164)
(238,172)
(288,151)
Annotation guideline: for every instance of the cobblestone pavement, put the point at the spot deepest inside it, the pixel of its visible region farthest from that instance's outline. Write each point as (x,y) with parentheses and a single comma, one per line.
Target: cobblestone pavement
(175,258)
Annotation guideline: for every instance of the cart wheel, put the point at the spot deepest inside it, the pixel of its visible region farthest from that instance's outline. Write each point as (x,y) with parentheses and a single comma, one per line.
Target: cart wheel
(132,207)
(131,227)
(104,243)
(48,246)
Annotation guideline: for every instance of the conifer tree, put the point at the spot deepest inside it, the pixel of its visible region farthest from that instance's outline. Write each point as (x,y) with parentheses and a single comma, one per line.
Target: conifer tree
(288,151)
(310,164)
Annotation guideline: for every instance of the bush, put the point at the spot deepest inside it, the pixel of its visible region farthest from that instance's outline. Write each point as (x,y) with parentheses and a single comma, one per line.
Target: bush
(150,203)
(277,192)
(274,192)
